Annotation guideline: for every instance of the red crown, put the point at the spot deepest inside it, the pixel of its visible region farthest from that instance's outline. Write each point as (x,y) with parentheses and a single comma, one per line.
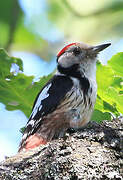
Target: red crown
(64,49)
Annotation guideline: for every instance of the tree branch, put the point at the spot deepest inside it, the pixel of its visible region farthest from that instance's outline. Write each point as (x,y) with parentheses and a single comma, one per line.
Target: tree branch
(94,152)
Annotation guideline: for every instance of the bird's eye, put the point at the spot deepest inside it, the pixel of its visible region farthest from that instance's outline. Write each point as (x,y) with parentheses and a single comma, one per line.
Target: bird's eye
(76,51)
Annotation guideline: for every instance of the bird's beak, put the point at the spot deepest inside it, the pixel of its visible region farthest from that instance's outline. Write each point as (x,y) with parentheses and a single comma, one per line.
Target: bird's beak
(99,48)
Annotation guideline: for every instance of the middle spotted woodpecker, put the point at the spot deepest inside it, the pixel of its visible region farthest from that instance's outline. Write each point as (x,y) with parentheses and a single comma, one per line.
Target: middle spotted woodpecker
(68,99)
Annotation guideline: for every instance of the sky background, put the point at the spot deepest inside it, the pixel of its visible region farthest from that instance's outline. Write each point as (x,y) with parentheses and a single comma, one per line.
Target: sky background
(10,135)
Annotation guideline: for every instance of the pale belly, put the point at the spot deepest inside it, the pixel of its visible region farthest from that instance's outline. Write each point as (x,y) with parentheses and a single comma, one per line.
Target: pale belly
(80,119)
(79,108)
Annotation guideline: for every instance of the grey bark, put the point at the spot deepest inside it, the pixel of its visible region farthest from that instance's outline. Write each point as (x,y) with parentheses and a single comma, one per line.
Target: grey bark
(92,153)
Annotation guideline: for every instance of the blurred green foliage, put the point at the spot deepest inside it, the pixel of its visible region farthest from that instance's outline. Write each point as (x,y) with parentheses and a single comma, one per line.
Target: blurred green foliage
(10,13)
(81,20)
(19,91)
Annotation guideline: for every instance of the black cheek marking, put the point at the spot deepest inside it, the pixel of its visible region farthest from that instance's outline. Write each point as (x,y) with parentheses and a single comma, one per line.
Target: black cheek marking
(74,72)
(70,71)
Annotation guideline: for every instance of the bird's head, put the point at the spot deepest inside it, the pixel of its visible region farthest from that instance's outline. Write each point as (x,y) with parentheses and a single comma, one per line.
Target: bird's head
(78,57)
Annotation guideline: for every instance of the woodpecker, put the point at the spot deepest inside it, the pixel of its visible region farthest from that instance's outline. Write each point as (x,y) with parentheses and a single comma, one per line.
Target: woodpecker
(68,99)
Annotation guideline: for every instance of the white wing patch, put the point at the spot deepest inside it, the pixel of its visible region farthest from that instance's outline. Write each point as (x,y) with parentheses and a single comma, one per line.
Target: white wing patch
(44,94)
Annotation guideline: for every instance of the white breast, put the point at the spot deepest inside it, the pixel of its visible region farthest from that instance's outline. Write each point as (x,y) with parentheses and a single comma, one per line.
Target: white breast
(83,108)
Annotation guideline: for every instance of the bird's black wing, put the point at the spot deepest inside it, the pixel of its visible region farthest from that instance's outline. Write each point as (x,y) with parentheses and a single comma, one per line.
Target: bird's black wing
(47,101)
(50,96)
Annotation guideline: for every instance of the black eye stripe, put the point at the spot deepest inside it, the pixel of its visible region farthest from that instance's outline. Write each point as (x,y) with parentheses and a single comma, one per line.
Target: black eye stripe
(76,50)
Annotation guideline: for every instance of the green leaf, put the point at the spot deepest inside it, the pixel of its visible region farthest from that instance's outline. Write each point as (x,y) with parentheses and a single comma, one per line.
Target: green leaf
(118,83)
(104,78)
(17,92)
(6,62)
(110,86)
(99,116)
(116,63)
(115,98)
(105,106)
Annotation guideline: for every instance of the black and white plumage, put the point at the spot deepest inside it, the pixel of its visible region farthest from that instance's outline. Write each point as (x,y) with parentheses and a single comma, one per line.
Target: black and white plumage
(68,99)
